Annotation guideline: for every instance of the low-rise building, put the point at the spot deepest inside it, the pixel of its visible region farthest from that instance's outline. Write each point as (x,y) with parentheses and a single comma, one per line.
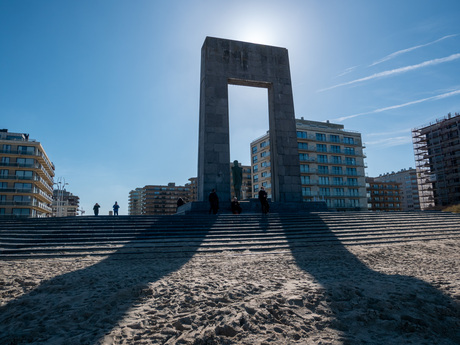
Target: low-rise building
(407,178)
(65,204)
(383,196)
(26,177)
(157,199)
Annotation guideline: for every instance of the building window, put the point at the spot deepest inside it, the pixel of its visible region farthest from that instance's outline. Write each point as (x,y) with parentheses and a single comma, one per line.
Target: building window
(306,191)
(265,154)
(254,149)
(255,168)
(303,157)
(354,202)
(350,161)
(302,146)
(256,178)
(338,181)
(339,192)
(337,170)
(349,150)
(335,148)
(266,174)
(26,150)
(304,168)
(6,148)
(322,159)
(352,181)
(320,137)
(324,191)
(353,192)
(352,171)
(324,180)
(254,159)
(4,173)
(321,148)
(349,140)
(264,144)
(26,175)
(26,186)
(305,179)
(265,164)
(336,160)
(339,203)
(334,138)
(21,198)
(301,135)
(21,211)
(323,169)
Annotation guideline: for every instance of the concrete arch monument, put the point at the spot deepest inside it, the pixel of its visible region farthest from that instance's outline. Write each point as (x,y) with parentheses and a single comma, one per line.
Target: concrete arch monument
(226,62)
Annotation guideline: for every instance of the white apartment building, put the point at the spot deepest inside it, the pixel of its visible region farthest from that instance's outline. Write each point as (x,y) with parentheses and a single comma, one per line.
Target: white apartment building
(331,165)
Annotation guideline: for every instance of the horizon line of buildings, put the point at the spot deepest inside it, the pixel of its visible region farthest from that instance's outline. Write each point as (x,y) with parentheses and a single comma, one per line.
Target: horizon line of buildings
(332,170)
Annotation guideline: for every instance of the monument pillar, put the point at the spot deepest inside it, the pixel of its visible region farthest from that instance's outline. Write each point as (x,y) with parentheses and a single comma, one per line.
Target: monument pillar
(226,62)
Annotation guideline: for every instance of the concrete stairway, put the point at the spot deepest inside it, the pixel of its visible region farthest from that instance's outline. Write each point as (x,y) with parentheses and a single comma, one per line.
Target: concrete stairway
(179,234)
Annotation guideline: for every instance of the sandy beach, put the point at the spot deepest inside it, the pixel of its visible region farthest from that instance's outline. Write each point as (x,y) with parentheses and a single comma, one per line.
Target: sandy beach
(384,294)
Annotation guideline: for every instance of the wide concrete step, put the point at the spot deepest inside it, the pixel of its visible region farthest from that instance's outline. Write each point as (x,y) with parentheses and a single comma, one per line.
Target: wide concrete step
(178,234)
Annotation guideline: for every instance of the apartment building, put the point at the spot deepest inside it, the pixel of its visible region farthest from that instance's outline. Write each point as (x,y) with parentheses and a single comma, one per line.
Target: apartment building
(331,165)
(157,199)
(383,196)
(192,186)
(65,204)
(407,178)
(26,177)
(437,158)
(135,205)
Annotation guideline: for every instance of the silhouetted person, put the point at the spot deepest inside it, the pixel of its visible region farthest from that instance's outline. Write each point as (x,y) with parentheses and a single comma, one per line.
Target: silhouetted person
(96,209)
(115,209)
(236,207)
(180,202)
(237,174)
(263,200)
(213,202)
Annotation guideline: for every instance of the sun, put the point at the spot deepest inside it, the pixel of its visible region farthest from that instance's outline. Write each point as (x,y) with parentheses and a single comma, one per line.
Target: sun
(258,32)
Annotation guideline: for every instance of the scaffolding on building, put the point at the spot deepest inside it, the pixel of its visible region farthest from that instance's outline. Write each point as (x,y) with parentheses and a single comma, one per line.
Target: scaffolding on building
(437,158)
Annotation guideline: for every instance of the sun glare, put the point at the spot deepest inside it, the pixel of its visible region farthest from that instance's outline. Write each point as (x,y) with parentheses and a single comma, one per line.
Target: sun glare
(258,32)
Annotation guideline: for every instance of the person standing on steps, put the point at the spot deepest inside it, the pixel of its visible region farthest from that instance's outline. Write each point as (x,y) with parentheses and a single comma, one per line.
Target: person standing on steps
(115,209)
(213,202)
(180,202)
(263,200)
(96,209)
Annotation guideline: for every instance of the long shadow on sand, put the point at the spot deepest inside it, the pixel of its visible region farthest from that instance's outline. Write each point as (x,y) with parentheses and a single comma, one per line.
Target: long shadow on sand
(82,306)
(366,304)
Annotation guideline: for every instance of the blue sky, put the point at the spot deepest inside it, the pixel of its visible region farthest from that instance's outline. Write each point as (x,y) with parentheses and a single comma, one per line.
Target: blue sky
(111,88)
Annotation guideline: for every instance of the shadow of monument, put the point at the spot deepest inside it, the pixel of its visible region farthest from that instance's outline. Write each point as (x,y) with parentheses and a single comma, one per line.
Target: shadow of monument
(365,304)
(81,306)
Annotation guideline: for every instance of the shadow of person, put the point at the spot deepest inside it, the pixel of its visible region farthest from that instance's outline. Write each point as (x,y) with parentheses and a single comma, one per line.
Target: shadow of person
(83,305)
(366,306)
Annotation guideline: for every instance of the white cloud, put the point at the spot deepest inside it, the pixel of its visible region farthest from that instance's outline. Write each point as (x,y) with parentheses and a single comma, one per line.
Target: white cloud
(346,71)
(405,130)
(397,71)
(433,98)
(390,142)
(403,51)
